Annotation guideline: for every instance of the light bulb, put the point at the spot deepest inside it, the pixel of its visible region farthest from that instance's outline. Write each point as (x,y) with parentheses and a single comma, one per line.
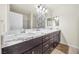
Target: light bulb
(46,11)
(40,7)
(43,9)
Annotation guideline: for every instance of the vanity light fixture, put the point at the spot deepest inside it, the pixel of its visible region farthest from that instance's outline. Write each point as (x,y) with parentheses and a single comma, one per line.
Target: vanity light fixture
(46,11)
(40,8)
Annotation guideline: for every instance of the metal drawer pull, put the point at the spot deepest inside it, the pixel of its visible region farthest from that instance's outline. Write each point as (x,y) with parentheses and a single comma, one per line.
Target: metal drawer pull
(47,38)
(46,45)
(32,52)
(4,52)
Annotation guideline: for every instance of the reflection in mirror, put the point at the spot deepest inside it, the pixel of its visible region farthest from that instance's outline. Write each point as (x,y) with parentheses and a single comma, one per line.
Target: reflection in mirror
(49,22)
(56,19)
(40,16)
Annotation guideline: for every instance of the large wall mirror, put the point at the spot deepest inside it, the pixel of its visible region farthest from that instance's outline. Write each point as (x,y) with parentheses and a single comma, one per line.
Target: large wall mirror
(49,23)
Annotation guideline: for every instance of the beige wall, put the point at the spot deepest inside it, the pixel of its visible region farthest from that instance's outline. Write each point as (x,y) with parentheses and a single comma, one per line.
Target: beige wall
(69,23)
(4,9)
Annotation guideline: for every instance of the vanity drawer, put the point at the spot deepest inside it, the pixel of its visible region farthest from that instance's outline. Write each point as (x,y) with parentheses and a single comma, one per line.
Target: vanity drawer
(36,41)
(36,50)
(51,41)
(48,51)
(6,51)
(46,37)
(46,45)
(56,33)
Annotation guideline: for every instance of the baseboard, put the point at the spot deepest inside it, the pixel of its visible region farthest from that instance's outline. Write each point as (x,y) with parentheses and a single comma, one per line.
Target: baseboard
(74,46)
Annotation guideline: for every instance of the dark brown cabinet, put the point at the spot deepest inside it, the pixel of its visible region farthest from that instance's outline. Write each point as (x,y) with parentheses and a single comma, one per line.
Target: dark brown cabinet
(41,45)
(46,46)
(36,50)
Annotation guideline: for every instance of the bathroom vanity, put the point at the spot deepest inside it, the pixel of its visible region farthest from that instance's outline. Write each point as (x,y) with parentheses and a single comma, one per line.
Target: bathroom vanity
(43,44)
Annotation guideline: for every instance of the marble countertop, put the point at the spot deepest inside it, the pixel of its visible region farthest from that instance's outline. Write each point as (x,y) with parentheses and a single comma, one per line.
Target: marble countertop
(12,39)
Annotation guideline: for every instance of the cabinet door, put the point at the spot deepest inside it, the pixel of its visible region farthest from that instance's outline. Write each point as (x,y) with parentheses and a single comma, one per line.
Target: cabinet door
(51,42)
(46,46)
(56,36)
(36,50)
(46,37)
(56,39)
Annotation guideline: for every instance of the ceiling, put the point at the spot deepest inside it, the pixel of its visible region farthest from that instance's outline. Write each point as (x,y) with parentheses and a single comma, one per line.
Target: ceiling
(30,8)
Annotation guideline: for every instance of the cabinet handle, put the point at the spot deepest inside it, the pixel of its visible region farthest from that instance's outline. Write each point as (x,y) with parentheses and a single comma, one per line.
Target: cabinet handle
(32,52)
(38,52)
(47,38)
(4,52)
(46,45)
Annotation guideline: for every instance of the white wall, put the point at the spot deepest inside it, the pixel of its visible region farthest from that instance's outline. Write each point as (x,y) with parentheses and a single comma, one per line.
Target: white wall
(4,9)
(69,23)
